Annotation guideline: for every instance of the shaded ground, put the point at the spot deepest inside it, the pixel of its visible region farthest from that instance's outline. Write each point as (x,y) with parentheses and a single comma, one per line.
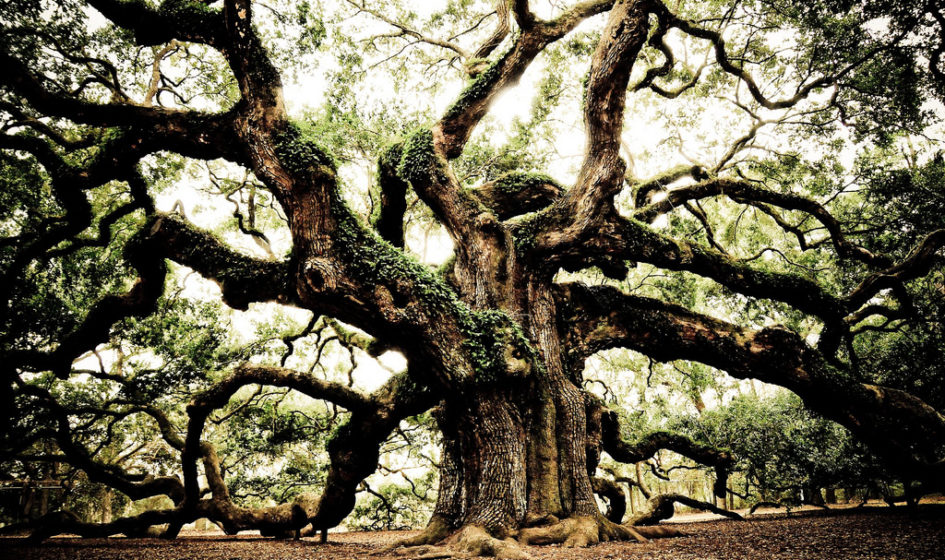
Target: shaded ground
(870,533)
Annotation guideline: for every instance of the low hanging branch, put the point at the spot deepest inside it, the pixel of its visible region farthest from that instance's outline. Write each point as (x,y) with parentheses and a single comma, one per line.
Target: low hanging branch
(605,422)
(604,435)
(902,428)
(614,494)
(353,453)
(662,507)
(135,486)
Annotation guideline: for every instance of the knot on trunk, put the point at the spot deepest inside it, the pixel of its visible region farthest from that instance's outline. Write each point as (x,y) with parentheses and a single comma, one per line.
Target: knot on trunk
(320,274)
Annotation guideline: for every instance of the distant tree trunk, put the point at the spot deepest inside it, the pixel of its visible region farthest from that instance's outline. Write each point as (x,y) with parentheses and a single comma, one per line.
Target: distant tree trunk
(43,502)
(813,496)
(849,494)
(26,502)
(106,498)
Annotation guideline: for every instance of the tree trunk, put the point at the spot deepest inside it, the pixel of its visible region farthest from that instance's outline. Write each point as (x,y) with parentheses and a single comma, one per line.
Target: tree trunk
(106,498)
(511,454)
(849,494)
(814,496)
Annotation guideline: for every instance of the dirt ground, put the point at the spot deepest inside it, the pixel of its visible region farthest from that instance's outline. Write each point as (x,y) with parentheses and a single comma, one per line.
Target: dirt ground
(868,533)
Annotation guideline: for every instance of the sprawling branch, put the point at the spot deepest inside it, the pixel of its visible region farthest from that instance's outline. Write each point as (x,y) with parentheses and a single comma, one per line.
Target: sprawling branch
(455,127)
(648,446)
(605,422)
(64,182)
(25,119)
(602,171)
(580,212)
(425,154)
(645,191)
(190,131)
(725,62)
(748,193)
(620,238)
(662,507)
(241,278)
(186,20)
(216,397)
(648,81)
(251,374)
(916,265)
(902,428)
(354,449)
(277,520)
(139,301)
(135,487)
(61,522)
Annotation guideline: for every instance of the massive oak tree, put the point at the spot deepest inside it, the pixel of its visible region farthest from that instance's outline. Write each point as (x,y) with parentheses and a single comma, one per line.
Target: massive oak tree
(496,339)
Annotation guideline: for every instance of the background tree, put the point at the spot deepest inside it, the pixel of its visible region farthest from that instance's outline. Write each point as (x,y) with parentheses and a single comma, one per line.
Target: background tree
(799,245)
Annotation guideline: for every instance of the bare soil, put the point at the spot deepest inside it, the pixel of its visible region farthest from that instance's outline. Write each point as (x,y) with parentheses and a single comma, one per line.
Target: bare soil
(868,533)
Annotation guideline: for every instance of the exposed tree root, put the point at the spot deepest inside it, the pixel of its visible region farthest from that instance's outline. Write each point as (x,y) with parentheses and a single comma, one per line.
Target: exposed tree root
(579,532)
(436,530)
(611,531)
(469,542)
(659,532)
(473,540)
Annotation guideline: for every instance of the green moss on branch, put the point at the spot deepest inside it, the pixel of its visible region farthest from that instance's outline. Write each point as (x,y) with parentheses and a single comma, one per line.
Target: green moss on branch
(517,181)
(418,157)
(299,152)
(477,90)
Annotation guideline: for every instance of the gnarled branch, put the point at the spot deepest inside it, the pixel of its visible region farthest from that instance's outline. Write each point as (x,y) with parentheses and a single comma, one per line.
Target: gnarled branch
(903,429)
(662,507)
